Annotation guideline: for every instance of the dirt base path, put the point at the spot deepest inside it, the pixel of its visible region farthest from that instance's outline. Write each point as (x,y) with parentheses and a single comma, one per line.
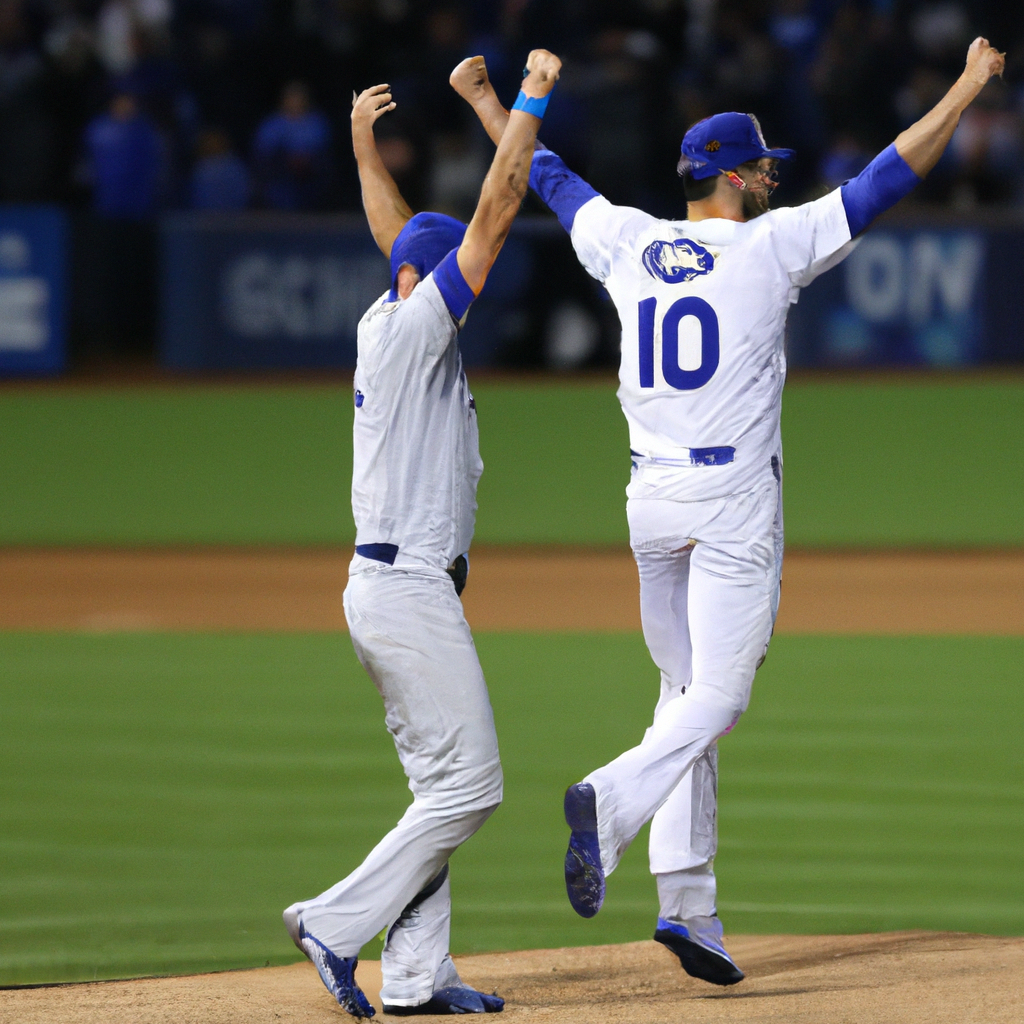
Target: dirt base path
(896,978)
(511,589)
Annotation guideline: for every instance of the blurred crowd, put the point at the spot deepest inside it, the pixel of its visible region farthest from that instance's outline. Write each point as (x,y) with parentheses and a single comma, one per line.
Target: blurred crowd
(128,107)
(123,109)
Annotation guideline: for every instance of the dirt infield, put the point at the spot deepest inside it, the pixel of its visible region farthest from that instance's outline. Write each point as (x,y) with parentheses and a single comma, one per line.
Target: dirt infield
(509,589)
(895,978)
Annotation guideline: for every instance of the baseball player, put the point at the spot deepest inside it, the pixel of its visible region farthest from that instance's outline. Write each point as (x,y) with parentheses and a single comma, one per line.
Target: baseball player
(703,304)
(416,467)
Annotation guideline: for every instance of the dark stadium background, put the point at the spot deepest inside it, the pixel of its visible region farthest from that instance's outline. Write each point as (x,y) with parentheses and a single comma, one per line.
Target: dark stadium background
(129,115)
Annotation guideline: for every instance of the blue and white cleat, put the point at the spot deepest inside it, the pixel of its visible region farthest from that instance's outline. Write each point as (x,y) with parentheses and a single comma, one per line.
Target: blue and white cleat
(453,999)
(698,944)
(584,875)
(336,972)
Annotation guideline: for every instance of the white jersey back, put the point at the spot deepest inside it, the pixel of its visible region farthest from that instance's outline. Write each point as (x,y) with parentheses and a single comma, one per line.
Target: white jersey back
(703,310)
(416,452)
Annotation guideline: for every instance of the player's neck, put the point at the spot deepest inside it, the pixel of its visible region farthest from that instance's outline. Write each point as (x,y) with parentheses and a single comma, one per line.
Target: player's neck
(720,206)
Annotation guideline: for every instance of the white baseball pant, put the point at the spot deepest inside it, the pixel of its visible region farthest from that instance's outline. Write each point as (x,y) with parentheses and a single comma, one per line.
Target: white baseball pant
(709,593)
(411,636)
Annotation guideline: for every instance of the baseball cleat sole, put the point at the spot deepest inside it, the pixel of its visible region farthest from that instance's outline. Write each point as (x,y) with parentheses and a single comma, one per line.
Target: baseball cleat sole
(584,875)
(701,957)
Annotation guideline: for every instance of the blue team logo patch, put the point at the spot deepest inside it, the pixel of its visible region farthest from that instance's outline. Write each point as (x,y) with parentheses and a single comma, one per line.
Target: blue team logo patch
(677,262)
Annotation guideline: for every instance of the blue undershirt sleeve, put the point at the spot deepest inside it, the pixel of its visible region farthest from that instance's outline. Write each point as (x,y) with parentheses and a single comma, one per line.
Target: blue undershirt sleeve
(563,191)
(881,185)
(452,285)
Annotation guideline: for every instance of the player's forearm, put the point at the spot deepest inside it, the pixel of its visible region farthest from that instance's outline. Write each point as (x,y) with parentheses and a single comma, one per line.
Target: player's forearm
(386,210)
(470,81)
(500,198)
(899,167)
(923,143)
(562,191)
(493,116)
(509,177)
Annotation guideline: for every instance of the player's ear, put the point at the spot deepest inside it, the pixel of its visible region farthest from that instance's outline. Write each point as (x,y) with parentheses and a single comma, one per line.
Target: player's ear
(408,277)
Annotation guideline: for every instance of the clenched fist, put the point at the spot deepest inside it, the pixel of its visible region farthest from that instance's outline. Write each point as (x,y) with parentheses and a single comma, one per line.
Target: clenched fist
(542,67)
(983,61)
(470,79)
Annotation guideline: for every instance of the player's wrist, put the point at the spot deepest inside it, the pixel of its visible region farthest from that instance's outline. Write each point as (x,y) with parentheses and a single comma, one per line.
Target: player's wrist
(974,77)
(362,146)
(362,126)
(532,104)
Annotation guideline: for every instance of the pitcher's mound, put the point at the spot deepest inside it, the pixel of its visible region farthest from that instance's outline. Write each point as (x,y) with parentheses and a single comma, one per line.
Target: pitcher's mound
(918,977)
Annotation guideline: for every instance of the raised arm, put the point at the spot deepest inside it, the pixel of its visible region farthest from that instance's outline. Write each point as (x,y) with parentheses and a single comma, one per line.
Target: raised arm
(923,142)
(562,190)
(386,210)
(508,178)
(901,166)
(471,82)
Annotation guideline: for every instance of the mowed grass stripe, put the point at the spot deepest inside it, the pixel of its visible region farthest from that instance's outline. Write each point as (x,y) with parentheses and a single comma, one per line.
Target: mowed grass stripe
(162,797)
(880,463)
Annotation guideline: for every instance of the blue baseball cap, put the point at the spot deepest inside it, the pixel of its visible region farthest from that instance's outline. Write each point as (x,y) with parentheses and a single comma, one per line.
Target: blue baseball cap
(722,143)
(424,241)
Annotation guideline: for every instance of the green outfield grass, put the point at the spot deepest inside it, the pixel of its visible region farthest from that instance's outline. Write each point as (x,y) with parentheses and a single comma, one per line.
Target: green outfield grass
(162,797)
(888,463)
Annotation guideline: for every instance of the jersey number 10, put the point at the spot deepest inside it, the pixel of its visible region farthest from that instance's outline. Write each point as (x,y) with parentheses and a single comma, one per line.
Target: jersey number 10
(681,380)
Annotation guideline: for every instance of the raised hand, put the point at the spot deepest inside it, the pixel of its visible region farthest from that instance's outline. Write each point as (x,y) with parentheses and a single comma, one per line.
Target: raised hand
(370,104)
(543,67)
(470,81)
(984,61)
(386,211)
(924,141)
(509,175)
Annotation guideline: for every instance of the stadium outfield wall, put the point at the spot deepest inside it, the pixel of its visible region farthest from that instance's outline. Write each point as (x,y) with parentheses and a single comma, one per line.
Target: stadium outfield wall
(267,291)
(259,291)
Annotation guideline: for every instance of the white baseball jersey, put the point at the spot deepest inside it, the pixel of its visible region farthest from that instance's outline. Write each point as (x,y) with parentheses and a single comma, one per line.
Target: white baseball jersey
(416,452)
(703,310)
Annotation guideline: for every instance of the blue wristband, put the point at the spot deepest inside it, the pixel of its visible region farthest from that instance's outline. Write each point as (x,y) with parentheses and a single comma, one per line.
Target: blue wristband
(531,104)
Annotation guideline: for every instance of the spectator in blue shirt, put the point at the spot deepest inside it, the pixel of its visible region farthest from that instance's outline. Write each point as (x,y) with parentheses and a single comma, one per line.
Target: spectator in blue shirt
(291,154)
(220,179)
(125,160)
(125,157)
